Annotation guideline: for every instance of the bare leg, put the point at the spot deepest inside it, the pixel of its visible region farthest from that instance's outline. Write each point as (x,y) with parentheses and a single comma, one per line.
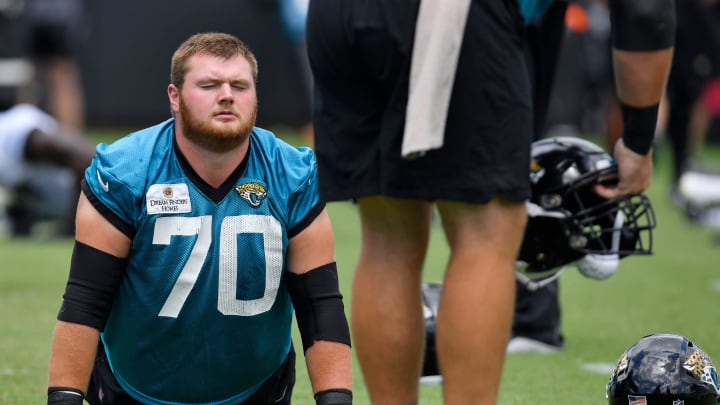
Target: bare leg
(476,306)
(66,98)
(700,120)
(388,327)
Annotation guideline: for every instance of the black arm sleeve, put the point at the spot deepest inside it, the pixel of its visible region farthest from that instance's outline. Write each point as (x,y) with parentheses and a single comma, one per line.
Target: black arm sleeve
(643,25)
(94,279)
(319,308)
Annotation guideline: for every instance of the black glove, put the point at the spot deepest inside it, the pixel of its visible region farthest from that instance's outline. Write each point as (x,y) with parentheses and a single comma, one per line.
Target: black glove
(335,396)
(64,396)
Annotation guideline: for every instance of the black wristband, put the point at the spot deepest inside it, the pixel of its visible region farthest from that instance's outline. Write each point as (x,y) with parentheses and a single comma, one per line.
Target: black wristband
(335,396)
(64,396)
(639,127)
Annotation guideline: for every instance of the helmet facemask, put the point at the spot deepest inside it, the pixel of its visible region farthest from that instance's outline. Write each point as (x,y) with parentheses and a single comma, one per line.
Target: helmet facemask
(569,223)
(621,226)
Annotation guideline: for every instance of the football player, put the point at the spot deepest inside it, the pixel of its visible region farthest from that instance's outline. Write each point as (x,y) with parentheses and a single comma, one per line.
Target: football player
(197,239)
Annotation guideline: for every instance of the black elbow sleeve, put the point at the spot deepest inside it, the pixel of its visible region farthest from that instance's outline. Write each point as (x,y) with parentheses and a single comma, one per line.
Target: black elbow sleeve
(319,308)
(643,25)
(90,291)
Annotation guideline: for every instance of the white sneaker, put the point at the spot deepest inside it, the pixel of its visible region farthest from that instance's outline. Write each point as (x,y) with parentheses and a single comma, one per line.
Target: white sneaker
(522,344)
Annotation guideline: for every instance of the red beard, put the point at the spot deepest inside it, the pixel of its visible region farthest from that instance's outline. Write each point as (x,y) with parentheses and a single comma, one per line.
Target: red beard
(214,138)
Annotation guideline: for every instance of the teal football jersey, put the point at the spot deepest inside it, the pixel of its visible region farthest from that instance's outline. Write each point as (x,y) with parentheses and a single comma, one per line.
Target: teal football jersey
(203,315)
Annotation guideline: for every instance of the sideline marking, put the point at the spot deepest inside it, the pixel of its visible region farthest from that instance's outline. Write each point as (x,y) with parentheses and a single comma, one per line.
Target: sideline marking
(599,368)
(7,371)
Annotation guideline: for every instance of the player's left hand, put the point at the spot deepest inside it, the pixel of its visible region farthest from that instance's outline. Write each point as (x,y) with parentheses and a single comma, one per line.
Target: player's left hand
(634,172)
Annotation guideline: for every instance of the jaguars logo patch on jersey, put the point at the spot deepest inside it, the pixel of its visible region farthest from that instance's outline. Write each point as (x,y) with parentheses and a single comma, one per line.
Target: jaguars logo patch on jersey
(254,193)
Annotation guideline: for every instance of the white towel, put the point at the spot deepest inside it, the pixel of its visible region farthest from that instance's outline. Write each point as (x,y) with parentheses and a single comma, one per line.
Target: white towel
(438,38)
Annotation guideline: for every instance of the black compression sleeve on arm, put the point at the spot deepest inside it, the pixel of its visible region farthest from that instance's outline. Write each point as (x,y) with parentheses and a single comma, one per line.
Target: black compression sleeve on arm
(643,25)
(639,127)
(94,278)
(318,306)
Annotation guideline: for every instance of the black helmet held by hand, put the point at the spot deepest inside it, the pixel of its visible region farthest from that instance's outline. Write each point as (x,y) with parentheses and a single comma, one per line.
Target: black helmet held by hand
(569,223)
(664,369)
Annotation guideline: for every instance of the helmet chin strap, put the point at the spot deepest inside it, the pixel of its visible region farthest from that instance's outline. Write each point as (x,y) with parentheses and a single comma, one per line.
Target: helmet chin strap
(534,284)
(617,226)
(534,210)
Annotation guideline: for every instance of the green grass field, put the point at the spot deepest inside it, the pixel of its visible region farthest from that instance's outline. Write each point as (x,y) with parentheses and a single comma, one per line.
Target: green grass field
(676,290)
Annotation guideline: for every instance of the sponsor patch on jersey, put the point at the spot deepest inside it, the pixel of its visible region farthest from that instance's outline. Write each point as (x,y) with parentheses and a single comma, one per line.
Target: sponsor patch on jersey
(168,199)
(254,193)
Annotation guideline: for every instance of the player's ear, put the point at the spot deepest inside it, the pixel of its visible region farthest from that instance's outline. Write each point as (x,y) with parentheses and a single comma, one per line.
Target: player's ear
(174,97)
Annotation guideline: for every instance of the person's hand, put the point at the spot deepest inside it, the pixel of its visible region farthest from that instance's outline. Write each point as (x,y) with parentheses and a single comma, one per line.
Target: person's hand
(634,173)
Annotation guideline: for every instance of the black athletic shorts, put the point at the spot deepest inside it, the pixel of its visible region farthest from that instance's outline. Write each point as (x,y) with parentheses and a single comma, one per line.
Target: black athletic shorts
(51,41)
(105,390)
(55,28)
(360,54)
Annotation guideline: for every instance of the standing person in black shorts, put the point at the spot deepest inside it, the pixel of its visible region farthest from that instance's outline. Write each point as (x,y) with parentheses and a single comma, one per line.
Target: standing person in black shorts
(473,167)
(536,321)
(56,31)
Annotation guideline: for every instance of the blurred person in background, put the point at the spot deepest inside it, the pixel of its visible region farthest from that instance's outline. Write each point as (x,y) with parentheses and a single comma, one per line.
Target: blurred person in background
(56,30)
(41,165)
(293,15)
(697,189)
(704,111)
(695,63)
(536,323)
(583,92)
